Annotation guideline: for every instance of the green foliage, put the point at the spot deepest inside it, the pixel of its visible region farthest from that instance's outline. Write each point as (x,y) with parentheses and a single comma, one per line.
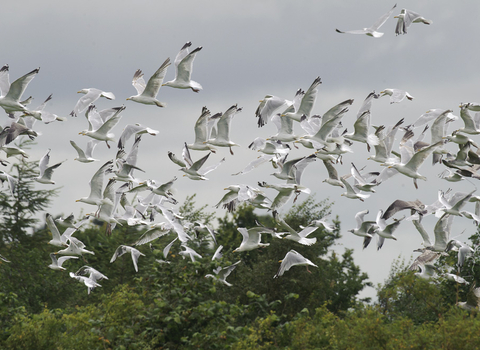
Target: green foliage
(406,295)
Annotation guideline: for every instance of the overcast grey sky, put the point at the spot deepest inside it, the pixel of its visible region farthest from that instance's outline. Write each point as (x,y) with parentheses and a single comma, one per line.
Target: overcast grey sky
(250,49)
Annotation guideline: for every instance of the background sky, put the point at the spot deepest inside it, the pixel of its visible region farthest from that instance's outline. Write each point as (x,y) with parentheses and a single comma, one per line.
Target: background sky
(250,49)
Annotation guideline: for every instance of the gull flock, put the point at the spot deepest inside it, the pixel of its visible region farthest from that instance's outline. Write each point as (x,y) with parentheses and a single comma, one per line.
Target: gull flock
(121,193)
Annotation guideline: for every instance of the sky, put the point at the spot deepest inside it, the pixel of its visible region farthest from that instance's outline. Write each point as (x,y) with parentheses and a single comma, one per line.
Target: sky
(250,49)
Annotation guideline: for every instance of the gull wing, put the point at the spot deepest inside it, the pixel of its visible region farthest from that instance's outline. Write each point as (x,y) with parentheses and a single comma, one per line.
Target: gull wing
(308,100)
(201,127)
(184,67)
(122,249)
(17,88)
(42,165)
(53,228)
(156,80)
(4,80)
(135,255)
(419,157)
(138,82)
(152,233)
(382,19)
(168,247)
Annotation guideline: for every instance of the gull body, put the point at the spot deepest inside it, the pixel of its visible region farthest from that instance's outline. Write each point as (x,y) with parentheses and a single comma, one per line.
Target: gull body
(293,258)
(122,249)
(405,20)
(12,93)
(147,93)
(46,172)
(221,274)
(183,70)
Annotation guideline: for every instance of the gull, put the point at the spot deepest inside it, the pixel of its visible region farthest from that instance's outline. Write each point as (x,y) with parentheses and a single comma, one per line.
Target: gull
(406,18)
(75,247)
(289,168)
(306,104)
(134,129)
(333,178)
(285,192)
(154,232)
(122,249)
(415,206)
(12,93)
(106,211)
(222,138)
(430,115)
(40,114)
(126,166)
(360,134)
(410,169)
(93,274)
(396,95)
(323,223)
(259,161)
(323,135)
(218,255)
(427,271)
(364,228)
(428,256)
(295,173)
(167,248)
(386,138)
(251,238)
(221,274)
(46,172)
(472,124)
(202,132)
(183,70)
(102,132)
(299,237)
(384,230)
(352,192)
(57,263)
(91,95)
(201,228)
(147,93)
(69,221)
(11,132)
(311,125)
(372,30)
(96,185)
(442,231)
(284,129)
(85,280)
(455,204)
(455,278)
(85,156)
(267,108)
(192,254)
(163,189)
(473,300)
(292,258)
(12,183)
(193,169)
(238,194)
(172,219)
(464,252)
(361,182)
(57,239)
